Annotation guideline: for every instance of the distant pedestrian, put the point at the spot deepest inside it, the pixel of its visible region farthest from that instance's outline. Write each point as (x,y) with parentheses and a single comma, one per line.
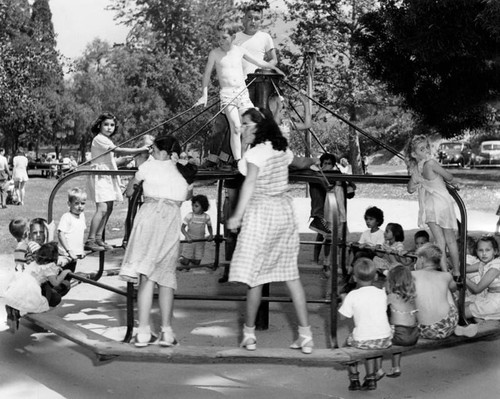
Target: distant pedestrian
(20,175)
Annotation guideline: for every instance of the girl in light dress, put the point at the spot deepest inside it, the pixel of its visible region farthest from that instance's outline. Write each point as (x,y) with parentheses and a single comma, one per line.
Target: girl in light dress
(153,248)
(436,207)
(104,190)
(486,306)
(268,243)
(401,295)
(20,176)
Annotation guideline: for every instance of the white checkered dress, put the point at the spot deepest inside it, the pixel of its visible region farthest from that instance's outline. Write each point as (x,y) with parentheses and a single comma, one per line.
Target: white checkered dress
(268,243)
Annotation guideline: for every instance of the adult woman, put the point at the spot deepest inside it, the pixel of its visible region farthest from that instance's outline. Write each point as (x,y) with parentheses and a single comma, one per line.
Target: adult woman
(20,175)
(268,243)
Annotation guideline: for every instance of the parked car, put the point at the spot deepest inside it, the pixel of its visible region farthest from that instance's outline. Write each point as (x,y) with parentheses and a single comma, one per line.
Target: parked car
(489,153)
(456,153)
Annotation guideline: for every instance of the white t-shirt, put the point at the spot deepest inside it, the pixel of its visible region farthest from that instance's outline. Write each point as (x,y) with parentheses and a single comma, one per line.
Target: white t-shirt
(257,45)
(368,307)
(73,229)
(162,179)
(377,238)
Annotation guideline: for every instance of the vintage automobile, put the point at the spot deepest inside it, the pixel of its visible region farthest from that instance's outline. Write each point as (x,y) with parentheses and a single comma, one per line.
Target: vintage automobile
(456,153)
(489,153)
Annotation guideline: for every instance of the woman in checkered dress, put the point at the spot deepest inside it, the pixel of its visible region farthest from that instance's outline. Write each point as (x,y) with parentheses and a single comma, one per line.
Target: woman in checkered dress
(268,243)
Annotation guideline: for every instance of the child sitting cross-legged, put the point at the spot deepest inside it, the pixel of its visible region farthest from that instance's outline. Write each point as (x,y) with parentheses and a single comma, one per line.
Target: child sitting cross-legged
(367,305)
(391,250)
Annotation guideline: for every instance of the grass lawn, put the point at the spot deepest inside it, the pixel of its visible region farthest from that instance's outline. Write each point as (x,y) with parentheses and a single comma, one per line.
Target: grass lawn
(478,192)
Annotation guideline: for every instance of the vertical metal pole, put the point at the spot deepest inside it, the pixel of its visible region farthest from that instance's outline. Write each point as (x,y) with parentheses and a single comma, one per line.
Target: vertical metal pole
(217,229)
(130,312)
(332,201)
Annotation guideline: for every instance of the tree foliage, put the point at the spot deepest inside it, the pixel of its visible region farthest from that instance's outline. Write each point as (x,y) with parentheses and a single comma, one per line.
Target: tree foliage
(438,55)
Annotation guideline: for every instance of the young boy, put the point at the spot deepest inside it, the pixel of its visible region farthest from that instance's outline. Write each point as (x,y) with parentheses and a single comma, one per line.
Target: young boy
(71,229)
(437,314)
(25,249)
(259,44)
(374,218)
(367,305)
(227,60)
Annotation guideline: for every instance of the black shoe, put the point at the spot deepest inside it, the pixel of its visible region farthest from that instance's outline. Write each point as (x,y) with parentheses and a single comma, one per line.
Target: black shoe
(320,225)
(354,385)
(370,384)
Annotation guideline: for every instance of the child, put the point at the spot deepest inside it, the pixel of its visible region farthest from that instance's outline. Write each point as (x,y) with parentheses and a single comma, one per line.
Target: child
(25,249)
(227,59)
(420,238)
(374,218)
(401,294)
(393,248)
(268,244)
(104,190)
(277,105)
(435,203)
(71,230)
(437,314)
(195,223)
(485,307)
(153,248)
(367,305)
(25,292)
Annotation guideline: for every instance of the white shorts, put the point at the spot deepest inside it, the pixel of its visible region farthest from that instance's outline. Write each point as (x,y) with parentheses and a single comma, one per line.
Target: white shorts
(229,96)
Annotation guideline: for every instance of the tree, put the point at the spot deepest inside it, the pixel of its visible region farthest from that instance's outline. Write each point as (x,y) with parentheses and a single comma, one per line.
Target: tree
(440,56)
(341,81)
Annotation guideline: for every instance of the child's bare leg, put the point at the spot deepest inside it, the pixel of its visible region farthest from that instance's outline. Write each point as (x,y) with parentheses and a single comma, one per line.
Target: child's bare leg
(438,234)
(370,367)
(396,360)
(254,295)
(104,219)
(144,303)
(100,211)
(299,301)
(451,242)
(166,301)
(233,117)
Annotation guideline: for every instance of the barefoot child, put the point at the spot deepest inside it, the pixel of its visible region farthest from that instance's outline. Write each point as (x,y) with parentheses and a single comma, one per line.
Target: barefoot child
(435,203)
(367,305)
(194,226)
(227,60)
(401,294)
(437,314)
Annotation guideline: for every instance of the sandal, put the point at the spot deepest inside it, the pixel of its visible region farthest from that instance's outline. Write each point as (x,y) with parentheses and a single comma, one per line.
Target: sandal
(304,343)
(249,341)
(380,374)
(142,340)
(394,373)
(167,338)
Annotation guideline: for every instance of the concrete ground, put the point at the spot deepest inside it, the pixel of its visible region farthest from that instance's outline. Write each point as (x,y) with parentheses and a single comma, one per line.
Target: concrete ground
(38,364)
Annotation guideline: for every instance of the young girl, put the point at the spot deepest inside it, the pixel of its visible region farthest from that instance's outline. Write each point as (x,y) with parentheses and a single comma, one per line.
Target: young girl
(400,289)
(25,293)
(104,190)
(488,306)
(153,248)
(393,246)
(435,203)
(268,244)
(194,226)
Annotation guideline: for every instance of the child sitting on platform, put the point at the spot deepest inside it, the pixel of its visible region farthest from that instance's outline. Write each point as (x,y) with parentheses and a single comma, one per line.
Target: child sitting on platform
(374,218)
(391,250)
(401,294)
(367,305)
(71,229)
(26,248)
(420,238)
(193,228)
(437,314)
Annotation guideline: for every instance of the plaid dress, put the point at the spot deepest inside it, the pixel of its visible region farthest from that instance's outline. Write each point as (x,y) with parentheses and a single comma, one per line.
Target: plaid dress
(268,244)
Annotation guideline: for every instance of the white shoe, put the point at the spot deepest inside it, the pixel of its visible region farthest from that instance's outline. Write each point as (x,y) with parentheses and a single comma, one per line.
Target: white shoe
(466,331)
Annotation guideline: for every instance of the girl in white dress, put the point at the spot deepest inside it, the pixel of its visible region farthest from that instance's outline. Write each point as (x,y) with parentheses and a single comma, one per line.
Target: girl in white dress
(268,243)
(20,175)
(435,203)
(104,190)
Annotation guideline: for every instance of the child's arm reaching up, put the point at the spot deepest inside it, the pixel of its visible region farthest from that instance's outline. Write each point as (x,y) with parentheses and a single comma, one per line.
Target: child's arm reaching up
(206,80)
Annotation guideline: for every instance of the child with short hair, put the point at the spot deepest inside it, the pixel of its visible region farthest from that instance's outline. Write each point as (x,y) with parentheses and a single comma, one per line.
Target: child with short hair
(193,227)
(26,292)
(401,294)
(25,249)
(367,305)
(485,307)
(437,314)
(71,229)
(374,218)
(420,238)
(227,59)
(393,248)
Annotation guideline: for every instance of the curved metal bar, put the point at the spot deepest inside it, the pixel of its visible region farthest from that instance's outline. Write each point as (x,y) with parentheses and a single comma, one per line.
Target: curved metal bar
(332,202)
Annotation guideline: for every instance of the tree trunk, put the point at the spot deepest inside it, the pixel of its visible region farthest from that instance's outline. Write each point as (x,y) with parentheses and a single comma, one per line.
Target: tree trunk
(354,150)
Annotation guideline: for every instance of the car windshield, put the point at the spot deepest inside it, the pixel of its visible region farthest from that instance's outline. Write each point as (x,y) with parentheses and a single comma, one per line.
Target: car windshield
(451,146)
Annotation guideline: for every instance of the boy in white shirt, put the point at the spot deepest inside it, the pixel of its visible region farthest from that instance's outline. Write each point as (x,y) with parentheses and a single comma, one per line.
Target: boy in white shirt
(71,229)
(374,218)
